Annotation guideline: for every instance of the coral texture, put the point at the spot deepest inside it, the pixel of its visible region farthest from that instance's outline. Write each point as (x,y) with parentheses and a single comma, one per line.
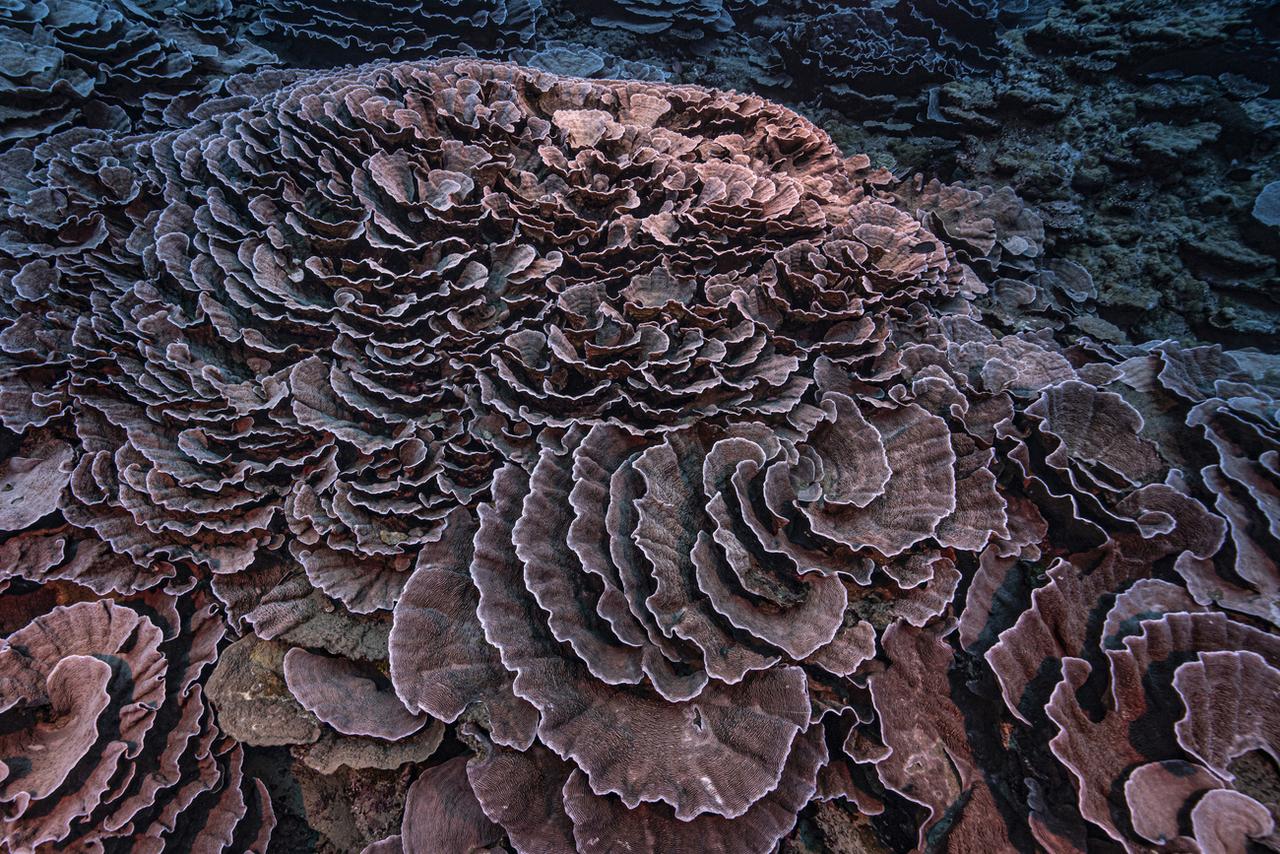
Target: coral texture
(108,739)
(667,460)
(333,32)
(690,19)
(113,65)
(847,49)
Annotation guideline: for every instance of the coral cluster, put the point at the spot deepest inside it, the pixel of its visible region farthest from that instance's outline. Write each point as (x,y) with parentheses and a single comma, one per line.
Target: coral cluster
(109,742)
(335,32)
(629,449)
(113,65)
(844,50)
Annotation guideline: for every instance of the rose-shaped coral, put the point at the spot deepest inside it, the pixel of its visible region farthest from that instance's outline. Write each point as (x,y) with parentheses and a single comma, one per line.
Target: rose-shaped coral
(656,449)
(673,612)
(1181,774)
(1116,613)
(326,358)
(108,739)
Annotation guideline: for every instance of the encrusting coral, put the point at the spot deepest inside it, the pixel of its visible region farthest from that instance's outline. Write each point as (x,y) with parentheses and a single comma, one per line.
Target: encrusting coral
(640,439)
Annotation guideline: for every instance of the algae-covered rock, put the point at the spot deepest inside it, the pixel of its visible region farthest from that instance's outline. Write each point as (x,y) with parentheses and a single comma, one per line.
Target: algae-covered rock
(253,702)
(1266,207)
(1163,143)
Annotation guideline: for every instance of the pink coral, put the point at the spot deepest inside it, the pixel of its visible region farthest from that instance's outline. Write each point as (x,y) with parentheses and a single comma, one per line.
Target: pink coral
(108,737)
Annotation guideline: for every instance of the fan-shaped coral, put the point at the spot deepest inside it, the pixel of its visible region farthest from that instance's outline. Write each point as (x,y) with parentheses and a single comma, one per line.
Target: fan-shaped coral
(108,739)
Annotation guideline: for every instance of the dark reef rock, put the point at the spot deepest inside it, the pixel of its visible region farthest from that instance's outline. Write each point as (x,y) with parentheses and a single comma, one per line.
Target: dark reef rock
(335,32)
(1145,177)
(835,51)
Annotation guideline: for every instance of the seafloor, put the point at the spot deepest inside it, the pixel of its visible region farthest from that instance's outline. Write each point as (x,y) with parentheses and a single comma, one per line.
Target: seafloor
(231,514)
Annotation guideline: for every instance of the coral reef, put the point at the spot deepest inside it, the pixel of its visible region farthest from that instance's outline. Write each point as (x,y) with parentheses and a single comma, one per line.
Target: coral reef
(113,65)
(451,455)
(335,32)
(440,456)
(1142,132)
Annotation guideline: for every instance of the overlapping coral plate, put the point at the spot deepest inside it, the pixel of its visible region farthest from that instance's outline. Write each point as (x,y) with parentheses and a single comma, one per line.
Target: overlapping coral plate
(600,466)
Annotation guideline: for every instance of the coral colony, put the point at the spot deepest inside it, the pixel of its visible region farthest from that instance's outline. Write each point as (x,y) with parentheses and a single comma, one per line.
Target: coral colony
(426,432)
